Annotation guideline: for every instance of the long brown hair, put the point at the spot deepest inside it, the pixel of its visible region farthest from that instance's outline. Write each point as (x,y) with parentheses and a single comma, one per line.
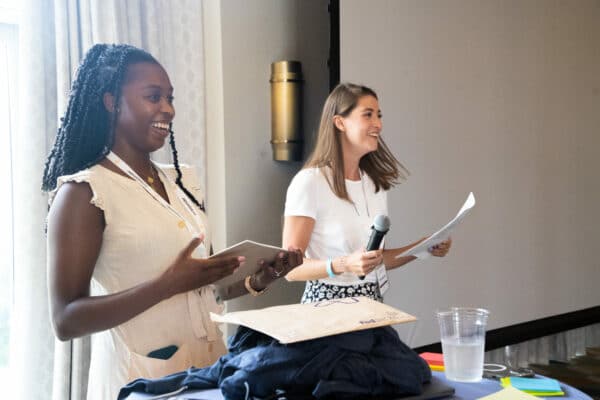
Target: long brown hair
(381,165)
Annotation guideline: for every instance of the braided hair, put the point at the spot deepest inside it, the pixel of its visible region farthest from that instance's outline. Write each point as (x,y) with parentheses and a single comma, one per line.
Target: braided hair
(86,132)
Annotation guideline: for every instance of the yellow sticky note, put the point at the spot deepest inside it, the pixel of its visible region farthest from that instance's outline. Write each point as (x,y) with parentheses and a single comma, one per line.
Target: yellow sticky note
(509,393)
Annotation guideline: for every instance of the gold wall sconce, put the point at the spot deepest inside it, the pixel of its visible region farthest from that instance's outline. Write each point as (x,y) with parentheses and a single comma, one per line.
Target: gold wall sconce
(286,110)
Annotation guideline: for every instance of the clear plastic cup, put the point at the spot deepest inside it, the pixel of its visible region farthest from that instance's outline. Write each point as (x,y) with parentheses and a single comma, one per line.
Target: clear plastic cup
(462,332)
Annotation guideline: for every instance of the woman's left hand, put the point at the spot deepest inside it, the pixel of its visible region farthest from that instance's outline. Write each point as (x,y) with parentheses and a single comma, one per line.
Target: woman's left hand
(441,249)
(270,272)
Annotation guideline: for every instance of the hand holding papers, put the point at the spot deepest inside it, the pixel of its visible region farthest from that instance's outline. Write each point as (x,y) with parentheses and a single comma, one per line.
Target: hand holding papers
(253,252)
(422,248)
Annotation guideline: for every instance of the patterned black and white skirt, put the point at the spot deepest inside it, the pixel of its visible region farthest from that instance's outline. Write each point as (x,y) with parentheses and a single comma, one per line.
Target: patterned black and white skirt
(319,291)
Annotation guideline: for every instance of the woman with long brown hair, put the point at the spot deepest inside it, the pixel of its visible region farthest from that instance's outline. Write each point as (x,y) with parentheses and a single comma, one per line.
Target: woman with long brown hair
(332,201)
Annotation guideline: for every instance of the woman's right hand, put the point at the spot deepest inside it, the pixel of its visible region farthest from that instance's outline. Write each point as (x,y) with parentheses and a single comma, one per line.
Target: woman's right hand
(188,273)
(359,263)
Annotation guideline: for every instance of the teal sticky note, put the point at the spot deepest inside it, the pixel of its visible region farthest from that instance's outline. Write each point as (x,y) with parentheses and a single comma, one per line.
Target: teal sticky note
(535,384)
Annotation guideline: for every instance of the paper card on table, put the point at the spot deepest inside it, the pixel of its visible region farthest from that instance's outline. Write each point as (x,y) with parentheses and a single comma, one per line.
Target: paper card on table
(509,393)
(297,322)
(533,384)
(443,233)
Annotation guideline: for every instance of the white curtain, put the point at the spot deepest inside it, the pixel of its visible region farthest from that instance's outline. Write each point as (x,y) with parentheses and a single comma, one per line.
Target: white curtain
(53,37)
(31,338)
(171,30)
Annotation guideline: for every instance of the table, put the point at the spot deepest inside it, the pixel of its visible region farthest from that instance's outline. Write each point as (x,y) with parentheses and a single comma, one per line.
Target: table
(464,391)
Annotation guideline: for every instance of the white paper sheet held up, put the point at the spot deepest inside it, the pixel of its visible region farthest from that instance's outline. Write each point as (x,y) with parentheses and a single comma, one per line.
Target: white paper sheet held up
(444,233)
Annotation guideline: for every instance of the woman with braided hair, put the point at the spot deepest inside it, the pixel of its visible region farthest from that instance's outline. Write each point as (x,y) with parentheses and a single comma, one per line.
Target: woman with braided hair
(127,237)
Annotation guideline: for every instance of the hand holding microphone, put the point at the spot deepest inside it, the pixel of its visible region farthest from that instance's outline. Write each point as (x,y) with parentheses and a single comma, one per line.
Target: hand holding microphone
(381,226)
(364,261)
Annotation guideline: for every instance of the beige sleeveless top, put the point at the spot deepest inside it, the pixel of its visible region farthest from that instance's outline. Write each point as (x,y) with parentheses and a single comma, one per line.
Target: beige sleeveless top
(141,239)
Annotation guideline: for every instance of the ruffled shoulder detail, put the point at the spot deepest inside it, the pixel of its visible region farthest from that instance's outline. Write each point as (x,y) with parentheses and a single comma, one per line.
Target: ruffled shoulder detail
(89,176)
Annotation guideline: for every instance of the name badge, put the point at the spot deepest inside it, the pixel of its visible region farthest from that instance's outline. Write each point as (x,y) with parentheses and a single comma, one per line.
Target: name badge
(382,279)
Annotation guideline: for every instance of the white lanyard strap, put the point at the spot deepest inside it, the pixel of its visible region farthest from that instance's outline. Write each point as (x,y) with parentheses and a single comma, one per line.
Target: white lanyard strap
(184,199)
(123,166)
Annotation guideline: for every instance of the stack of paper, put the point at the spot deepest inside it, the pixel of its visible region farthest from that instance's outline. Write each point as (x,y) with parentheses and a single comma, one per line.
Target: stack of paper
(544,387)
(434,360)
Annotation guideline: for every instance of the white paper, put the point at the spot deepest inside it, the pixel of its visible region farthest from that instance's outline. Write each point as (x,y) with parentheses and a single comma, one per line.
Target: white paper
(442,234)
(253,251)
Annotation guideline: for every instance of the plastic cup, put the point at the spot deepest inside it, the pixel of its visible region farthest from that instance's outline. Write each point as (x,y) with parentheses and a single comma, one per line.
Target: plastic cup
(462,332)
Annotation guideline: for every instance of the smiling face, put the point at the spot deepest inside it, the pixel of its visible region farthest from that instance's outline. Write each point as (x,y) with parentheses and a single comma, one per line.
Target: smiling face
(145,109)
(361,128)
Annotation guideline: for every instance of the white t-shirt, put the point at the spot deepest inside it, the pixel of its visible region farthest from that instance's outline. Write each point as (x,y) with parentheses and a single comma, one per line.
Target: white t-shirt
(341,228)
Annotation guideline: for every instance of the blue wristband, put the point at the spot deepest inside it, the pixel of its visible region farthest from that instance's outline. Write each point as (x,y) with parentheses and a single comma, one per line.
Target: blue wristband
(329,269)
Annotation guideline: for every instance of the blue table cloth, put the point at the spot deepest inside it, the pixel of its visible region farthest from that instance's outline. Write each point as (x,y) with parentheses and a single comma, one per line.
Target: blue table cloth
(464,391)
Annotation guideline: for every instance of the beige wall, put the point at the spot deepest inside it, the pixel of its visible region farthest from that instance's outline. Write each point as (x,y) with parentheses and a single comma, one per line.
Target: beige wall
(246,188)
(502,98)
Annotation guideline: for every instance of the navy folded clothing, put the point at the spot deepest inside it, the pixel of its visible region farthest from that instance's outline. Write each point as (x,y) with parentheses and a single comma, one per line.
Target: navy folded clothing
(373,362)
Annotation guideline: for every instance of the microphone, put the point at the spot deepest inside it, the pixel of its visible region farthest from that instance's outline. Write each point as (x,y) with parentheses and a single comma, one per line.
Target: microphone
(381,226)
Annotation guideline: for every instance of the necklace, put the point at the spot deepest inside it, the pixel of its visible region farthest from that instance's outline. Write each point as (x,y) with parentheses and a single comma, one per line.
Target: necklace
(362,185)
(151,178)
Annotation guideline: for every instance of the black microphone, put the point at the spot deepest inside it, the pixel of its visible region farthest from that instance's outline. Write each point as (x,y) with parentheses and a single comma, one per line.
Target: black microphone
(381,226)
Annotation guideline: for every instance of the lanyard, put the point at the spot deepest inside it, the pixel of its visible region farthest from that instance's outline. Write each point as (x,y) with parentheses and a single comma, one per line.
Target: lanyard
(123,166)
(362,185)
